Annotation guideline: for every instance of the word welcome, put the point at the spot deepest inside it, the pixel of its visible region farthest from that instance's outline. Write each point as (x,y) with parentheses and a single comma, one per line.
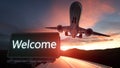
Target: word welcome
(20,44)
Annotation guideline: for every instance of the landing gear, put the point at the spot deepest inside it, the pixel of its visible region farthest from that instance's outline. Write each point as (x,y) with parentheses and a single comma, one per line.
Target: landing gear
(66,33)
(80,36)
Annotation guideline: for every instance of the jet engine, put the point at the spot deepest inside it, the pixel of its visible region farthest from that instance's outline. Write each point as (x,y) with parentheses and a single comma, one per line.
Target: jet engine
(88,32)
(60,28)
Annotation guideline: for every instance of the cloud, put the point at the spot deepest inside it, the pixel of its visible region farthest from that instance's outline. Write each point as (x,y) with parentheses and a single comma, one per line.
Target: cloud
(92,43)
(93,11)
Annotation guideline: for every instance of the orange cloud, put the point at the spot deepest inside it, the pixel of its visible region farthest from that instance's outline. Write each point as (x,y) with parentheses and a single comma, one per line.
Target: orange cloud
(93,11)
(88,44)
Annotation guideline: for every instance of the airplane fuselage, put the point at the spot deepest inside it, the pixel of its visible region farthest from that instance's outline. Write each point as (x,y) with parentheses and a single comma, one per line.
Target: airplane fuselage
(75,12)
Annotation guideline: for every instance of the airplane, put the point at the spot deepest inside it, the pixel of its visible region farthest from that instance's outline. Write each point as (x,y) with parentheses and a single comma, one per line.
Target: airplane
(74,29)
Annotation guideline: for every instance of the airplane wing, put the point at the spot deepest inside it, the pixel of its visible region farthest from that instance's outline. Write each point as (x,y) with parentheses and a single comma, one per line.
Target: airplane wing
(60,28)
(51,27)
(89,31)
(96,33)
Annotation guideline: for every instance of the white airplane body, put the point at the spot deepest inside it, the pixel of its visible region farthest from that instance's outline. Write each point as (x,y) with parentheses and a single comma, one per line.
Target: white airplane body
(74,29)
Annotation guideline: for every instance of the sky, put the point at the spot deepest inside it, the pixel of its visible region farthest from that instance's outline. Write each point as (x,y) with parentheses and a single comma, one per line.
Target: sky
(33,15)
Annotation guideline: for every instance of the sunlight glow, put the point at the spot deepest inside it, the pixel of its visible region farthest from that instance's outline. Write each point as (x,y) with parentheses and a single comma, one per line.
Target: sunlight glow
(94,46)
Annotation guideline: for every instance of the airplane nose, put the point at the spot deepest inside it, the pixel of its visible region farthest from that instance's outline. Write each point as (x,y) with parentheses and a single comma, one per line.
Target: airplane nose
(73,36)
